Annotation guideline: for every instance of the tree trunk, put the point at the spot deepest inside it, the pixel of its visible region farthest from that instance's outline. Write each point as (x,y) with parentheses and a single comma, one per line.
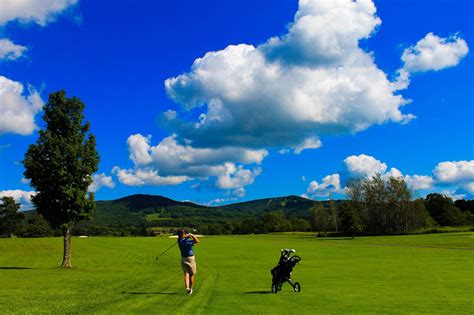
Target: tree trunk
(67,249)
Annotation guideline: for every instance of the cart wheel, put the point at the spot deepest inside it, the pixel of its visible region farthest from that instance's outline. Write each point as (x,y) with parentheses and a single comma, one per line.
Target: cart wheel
(297,287)
(274,288)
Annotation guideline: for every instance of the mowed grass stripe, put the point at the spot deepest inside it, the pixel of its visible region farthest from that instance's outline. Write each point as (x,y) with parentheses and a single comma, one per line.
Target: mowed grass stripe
(121,275)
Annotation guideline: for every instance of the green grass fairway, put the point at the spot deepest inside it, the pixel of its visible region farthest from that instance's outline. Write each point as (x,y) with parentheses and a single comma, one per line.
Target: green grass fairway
(390,275)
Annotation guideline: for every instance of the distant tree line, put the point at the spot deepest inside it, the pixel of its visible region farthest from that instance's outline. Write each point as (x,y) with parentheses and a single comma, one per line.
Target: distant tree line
(16,223)
(378,206)
(374,207)
(273,221)
(385,206)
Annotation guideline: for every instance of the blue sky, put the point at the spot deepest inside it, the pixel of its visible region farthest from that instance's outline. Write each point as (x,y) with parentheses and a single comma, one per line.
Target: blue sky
(307,95)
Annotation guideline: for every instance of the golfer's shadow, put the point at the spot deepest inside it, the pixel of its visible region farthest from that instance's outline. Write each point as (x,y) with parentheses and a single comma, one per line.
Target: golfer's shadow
(150,293)
(15,268)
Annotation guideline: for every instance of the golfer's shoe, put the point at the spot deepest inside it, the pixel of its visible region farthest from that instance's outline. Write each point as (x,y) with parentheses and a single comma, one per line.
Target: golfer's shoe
(190,291)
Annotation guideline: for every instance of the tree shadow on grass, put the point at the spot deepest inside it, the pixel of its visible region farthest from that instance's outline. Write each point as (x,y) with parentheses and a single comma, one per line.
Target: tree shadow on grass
(259,292)
(15,268)
(150,293)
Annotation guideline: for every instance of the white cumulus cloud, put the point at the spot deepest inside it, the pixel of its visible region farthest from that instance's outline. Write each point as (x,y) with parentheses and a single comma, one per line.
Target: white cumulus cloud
(22,197)
(174,158)
(139,148)
(393,172)
(171,157)
(368,166)
(17,107)
(434,53)
(452,178)
(10,50)
(431,53)
(146,176)
(171,163)
(419,182)
(330,184)
(308,143)
(455,171)
(36,11)
(459,174)
(236,177)
(364,165)
(101,180)
(286,93)
(324,32)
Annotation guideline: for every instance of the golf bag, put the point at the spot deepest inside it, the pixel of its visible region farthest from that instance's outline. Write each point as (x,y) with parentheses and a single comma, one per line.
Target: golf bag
(281,273)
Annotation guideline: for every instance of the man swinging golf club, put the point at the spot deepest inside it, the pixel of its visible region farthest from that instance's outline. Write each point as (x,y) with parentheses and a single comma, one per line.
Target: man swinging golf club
(188,262)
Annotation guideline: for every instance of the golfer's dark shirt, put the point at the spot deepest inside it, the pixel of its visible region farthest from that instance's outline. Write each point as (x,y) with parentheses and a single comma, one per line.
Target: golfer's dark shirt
(186,247)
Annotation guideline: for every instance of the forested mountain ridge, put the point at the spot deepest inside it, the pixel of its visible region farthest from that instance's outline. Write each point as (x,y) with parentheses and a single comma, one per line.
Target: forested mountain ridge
(158,211)
(156,207)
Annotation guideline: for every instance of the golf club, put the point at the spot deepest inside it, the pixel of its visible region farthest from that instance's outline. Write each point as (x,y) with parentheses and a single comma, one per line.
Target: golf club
(165,251)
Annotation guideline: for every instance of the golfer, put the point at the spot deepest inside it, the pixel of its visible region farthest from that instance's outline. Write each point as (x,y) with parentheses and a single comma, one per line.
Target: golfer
(188,262)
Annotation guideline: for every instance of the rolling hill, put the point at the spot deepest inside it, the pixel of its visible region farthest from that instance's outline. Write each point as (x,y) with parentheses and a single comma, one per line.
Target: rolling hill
(159,210)
(137,213)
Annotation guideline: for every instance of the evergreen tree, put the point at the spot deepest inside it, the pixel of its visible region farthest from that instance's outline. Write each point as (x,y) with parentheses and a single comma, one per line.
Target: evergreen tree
(11,219)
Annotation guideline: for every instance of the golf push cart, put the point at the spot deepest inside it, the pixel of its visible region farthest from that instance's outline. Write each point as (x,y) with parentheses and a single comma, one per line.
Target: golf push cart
(282,272)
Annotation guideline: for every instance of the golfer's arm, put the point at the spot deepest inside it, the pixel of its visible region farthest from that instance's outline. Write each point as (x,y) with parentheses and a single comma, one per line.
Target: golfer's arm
(195,239)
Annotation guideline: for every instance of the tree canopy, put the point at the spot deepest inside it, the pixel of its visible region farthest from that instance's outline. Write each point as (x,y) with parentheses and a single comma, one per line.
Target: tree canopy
(386,205)
(61,163)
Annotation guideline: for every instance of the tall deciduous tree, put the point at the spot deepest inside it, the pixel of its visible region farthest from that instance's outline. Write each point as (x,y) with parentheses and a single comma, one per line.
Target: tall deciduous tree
(60,166)
(385,205)
(334,215)
(319,218)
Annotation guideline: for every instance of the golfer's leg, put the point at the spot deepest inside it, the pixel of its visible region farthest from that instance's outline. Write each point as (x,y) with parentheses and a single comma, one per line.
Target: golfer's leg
(186,280)
(191,281)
